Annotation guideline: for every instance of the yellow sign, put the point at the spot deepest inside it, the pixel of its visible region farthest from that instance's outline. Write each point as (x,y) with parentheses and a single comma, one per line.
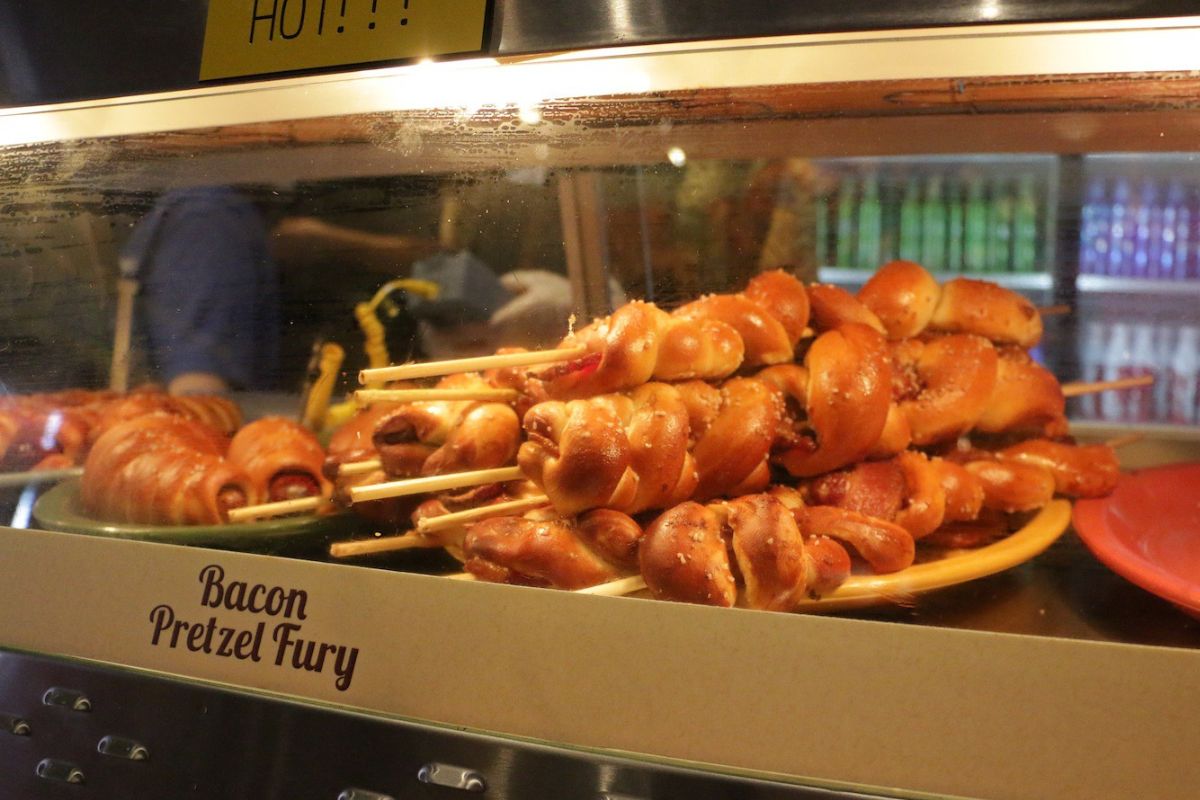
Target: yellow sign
(255,37)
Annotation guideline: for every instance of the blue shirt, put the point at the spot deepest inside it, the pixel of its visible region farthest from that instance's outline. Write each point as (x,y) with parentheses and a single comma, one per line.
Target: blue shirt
(209,298)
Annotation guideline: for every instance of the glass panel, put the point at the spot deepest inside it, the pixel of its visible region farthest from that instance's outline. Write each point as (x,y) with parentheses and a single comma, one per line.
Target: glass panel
(255,248)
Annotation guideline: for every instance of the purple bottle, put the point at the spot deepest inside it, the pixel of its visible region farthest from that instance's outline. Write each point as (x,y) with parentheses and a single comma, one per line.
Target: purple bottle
(1121,230)
(1188,264)
(1093,230)
(1172,259)
(1147,233)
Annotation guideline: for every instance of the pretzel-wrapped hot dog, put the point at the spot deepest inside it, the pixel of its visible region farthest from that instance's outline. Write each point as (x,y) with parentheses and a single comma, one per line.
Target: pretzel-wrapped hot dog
(163,469)
(282,458)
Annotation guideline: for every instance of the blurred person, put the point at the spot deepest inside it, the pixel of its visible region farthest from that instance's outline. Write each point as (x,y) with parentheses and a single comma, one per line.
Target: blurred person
(211,266)
(208,306)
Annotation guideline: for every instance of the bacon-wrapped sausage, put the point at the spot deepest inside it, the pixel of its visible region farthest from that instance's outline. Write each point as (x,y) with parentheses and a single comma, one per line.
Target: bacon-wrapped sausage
(163,469)
(924,494)
(566,553)
(443,436)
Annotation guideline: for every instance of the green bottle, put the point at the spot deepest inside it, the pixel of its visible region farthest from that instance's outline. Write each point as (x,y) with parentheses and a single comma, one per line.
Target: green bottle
(1024,244)
(870,226)
(821,229)
(954,228)
(933,226)
(910,222)
(1000,228)
(975,218)
(845,223)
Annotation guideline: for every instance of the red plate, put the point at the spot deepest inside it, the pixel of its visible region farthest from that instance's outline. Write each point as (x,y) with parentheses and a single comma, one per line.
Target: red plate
(1148,531)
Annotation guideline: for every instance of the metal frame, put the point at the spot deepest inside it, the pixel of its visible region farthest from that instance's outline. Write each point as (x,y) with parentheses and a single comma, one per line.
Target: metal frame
(466,87)
(113,733)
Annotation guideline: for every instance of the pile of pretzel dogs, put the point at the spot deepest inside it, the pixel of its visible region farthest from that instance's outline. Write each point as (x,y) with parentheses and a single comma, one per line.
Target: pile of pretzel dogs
(751,447)
(149,457)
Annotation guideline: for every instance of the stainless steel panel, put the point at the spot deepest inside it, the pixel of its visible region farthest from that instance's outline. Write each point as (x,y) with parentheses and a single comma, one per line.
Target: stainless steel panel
(149,736)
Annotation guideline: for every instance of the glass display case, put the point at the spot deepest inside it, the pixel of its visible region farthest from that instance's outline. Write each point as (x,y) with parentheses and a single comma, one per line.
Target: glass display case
(265,241)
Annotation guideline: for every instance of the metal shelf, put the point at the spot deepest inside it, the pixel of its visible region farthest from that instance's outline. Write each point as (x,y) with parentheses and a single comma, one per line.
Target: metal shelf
(1032,281)
(1104,284)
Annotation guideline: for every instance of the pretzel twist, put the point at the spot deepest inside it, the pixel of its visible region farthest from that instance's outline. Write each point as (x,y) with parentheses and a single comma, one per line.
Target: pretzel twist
(707,339)
(908,301)
(623,452)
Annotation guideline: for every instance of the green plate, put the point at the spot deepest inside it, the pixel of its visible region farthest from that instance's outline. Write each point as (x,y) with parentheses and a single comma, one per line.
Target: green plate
(60,509)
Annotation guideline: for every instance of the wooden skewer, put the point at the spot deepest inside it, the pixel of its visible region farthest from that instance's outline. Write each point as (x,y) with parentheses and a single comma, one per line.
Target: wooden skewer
(248,513)
(429,369)
(461,480)
(1055,310)
(617,588)
(365,397)
(443,521)
(434,483)
(1078,388)
(352,468)
(1118,442)
(381,544)
(10,479)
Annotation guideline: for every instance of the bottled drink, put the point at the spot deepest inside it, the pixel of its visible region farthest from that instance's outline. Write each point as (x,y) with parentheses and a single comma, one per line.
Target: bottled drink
(870,226)
(889,193)
(1092,366)
(1094,230)
(1164,350)
(954,228)
(1024,244)
(1000,228)
(910,222)
(821,228)
(1120,230)
(1113,405)
(1189,261)
(1169,267)
(1141,363)
(1147,233)
(975,227)
(1184,376)
(933,226)
(845,223)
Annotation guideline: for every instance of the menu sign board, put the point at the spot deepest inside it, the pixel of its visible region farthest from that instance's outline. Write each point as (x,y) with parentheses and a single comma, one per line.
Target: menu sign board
(257,37)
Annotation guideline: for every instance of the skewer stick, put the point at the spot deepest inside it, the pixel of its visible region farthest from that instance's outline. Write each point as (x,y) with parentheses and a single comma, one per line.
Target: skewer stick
(429,369)
(1118,442)
(434,483)
(443,521)
(365,397)
(10,479)
(617,588)
(1055,310)
(1079,387)
(460,576)
(249,513)
(352,468)
(381,544)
